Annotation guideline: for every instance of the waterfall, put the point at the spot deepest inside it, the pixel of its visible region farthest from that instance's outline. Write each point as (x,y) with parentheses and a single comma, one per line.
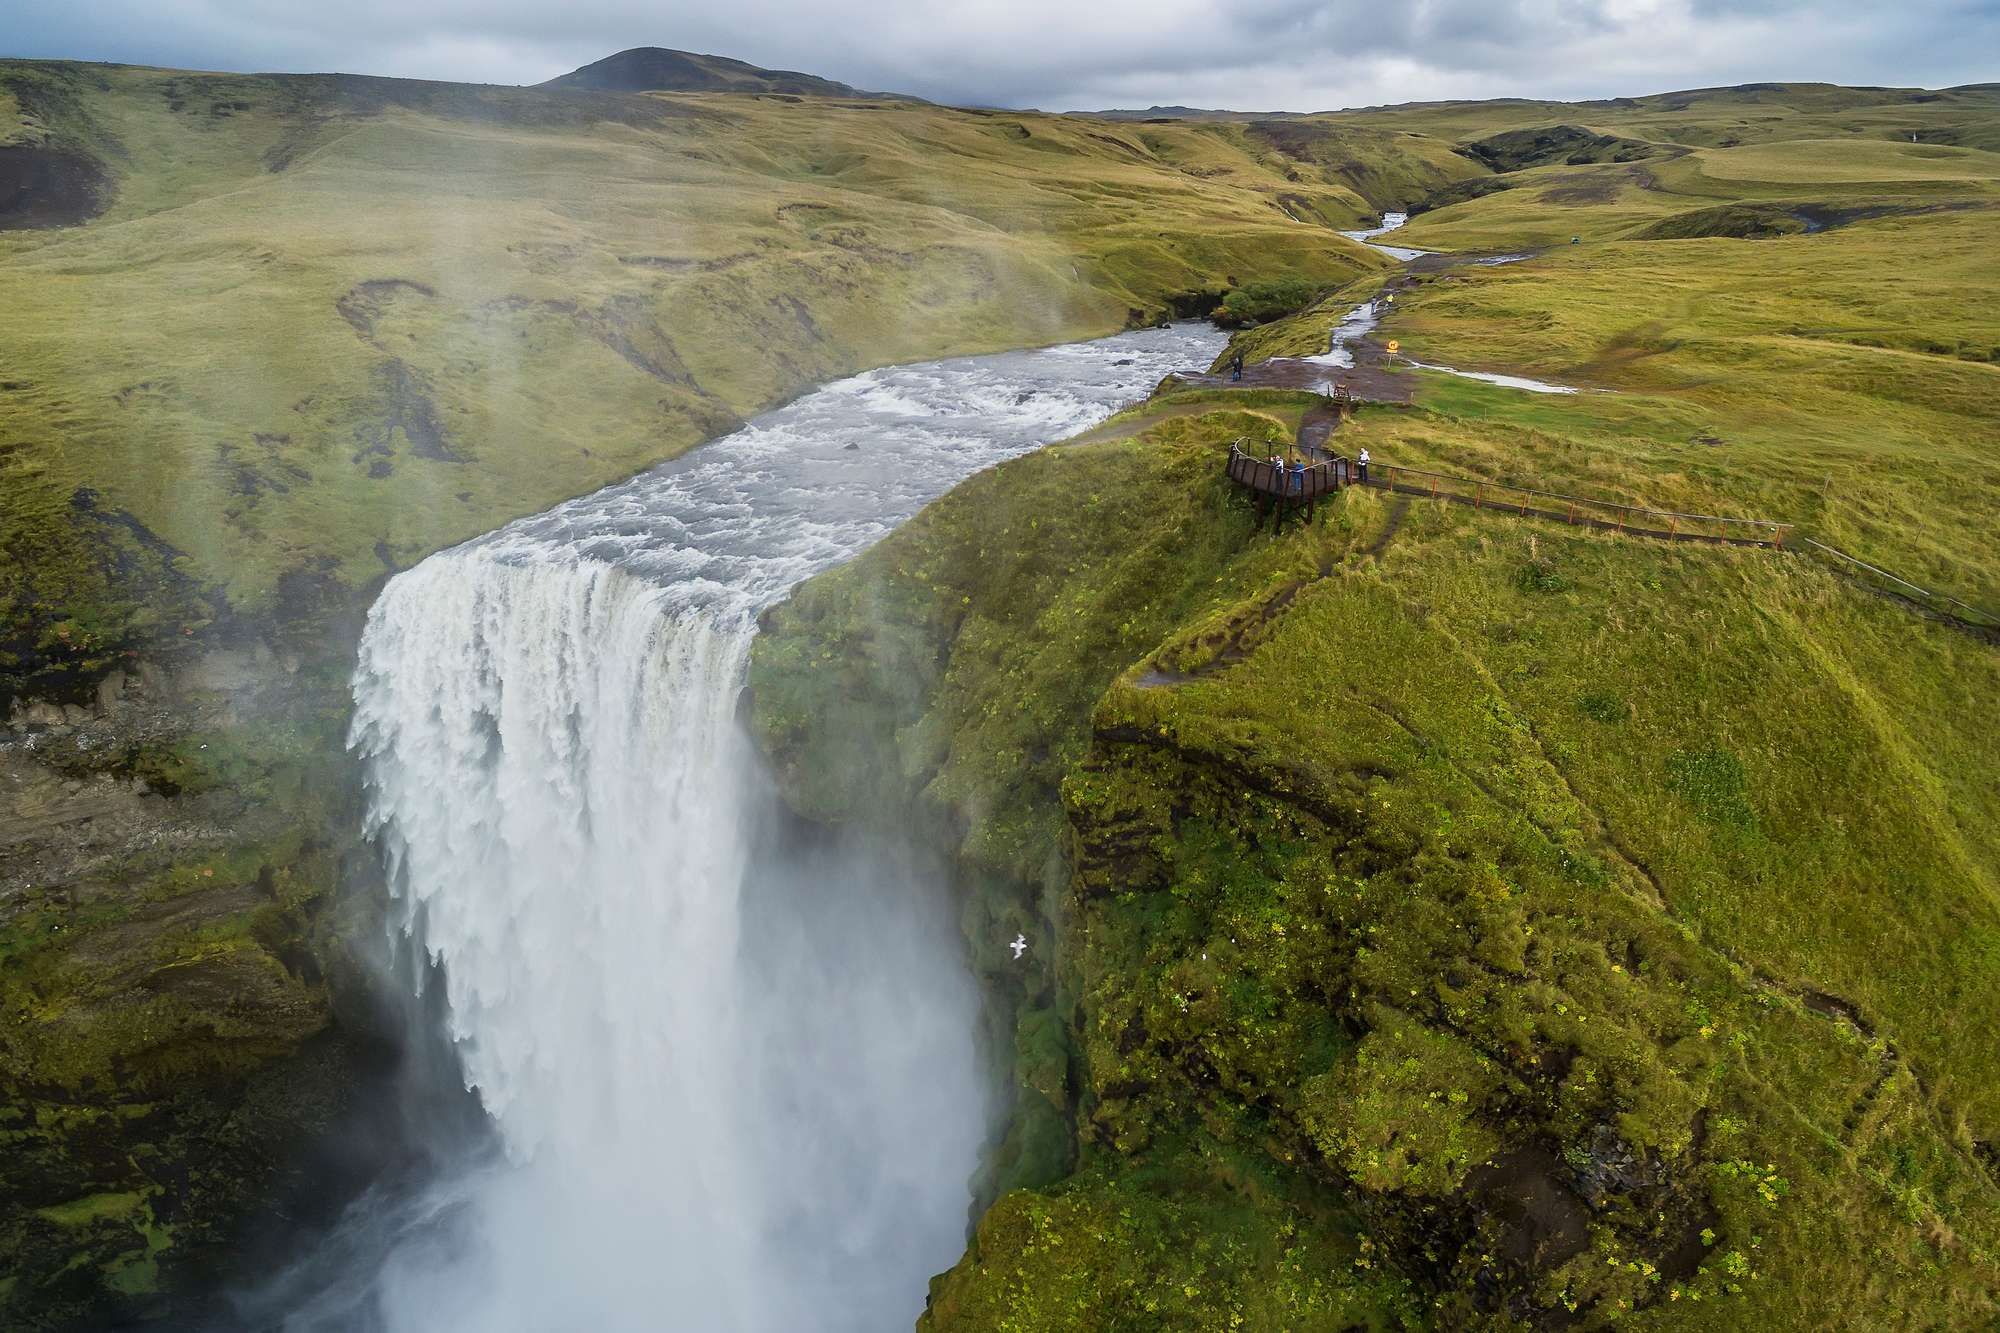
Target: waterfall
(729,1066)
(569,809)
(559,786)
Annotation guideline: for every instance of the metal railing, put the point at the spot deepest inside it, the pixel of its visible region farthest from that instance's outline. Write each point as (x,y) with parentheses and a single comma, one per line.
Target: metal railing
(1282,480)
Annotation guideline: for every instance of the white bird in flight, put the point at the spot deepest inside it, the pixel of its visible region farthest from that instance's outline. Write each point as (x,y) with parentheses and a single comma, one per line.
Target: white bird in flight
(1019,946)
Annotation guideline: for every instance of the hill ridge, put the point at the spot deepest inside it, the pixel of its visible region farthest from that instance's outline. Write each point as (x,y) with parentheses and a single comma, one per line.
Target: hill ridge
(666,69)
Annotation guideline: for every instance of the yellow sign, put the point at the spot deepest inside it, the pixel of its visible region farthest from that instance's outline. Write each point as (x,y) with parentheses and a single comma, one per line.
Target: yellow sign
(1393,346)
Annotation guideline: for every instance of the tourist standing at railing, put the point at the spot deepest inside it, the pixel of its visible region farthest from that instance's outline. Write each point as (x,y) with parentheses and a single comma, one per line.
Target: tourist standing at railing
(1298,477)
(1361,467)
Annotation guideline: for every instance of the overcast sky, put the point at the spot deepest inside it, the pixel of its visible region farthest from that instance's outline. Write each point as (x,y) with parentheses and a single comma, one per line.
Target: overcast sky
(1068,54)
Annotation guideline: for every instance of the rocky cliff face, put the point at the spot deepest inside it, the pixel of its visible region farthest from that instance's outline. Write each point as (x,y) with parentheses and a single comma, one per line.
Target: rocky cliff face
(168,1041)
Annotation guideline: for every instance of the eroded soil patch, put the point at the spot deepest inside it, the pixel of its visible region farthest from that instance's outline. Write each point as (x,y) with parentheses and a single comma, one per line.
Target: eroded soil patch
(49,187)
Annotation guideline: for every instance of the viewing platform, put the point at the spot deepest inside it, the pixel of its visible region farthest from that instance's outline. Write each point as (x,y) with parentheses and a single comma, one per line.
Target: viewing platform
(1286,487)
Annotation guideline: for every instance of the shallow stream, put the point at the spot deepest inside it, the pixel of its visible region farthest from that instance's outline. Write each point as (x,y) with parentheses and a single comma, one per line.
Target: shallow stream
(1361,321)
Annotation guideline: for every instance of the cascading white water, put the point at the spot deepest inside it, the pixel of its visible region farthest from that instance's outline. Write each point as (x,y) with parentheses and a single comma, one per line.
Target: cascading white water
(1359,322)
(1390,222)
(734,1086)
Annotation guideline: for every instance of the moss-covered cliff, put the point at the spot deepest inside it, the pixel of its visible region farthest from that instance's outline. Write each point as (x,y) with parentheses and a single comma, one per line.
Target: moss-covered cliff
(170,952)
(1437,919)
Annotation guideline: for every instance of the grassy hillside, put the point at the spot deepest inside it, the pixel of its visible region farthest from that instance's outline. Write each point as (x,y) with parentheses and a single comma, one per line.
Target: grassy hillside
(317,326)
(1463,921)
(321,326)
(1454,915)
(1454,920)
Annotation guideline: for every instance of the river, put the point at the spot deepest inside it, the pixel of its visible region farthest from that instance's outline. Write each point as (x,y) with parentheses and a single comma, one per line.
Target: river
(1361,321)
(731,1081)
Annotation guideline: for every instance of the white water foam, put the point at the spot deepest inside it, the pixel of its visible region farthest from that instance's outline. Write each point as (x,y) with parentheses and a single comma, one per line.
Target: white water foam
(734,1088)
(1390,222)
(1504,381)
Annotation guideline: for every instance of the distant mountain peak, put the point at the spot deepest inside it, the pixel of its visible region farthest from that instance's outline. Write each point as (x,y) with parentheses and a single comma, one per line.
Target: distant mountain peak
(649,69)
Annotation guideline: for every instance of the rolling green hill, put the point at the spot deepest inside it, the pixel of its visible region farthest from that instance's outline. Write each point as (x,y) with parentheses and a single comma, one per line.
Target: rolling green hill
(316,327)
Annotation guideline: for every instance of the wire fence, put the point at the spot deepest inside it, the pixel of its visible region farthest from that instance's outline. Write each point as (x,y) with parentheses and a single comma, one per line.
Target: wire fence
(1575,510)
(1329,471)
(1942,603)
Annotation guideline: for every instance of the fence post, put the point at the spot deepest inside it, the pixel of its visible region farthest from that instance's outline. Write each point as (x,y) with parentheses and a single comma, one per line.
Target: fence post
(1479,495)
(1572,513)
(1434,488)
(1673,526)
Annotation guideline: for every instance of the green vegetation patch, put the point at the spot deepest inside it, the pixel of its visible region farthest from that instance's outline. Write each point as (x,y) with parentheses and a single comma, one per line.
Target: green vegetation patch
(1508,917)
(1571,145)
(1261,302)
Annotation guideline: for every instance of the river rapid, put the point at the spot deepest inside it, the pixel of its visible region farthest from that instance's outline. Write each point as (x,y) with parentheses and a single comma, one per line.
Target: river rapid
(731,1081)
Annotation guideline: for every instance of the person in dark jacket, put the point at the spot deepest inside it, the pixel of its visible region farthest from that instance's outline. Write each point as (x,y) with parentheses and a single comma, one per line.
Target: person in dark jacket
(1236,366)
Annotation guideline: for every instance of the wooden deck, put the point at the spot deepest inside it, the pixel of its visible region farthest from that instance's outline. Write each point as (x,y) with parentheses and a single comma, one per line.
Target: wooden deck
(1284,488)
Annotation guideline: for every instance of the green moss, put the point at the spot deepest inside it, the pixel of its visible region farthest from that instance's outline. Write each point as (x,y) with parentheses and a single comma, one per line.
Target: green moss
(1401,878)
(1405,1114)
(1198,1238)
(93,1208)
(1712,781)
(167,1042)
(1264,301)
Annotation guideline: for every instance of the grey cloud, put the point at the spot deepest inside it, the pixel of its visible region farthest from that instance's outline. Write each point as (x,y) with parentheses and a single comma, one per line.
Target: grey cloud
(1256,54)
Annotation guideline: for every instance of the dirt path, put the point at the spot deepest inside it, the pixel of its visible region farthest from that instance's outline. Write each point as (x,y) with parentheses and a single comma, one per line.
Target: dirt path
(1399,509)
(1369,380)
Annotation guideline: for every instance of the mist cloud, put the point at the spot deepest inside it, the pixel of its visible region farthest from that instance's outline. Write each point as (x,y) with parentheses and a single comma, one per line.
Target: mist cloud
(1059,55)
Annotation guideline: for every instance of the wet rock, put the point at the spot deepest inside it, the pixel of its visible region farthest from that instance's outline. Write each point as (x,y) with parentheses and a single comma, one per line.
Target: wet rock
(37,713)
(1607,1166)
(111,692)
